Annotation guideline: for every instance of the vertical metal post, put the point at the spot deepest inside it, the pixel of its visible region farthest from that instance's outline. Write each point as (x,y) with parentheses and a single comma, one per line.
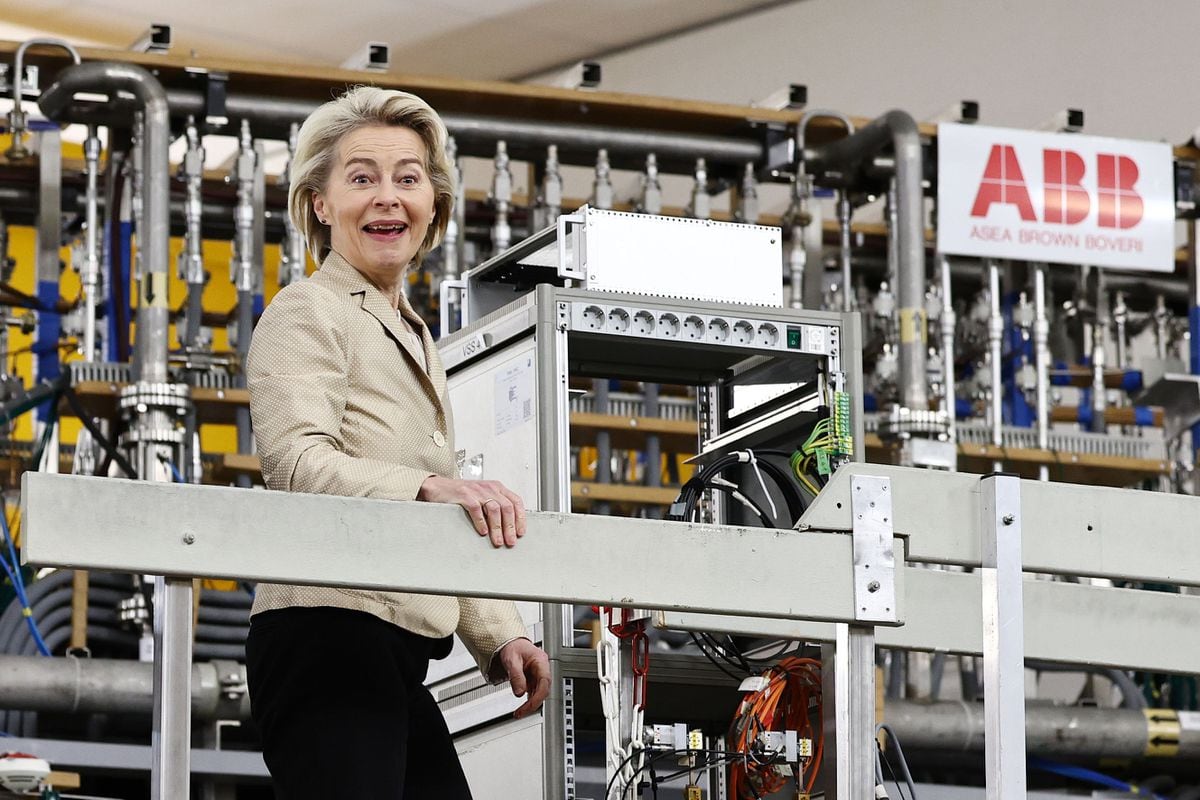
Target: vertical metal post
(90,274)
(653,451)
(844,212)
(948,323)
(853,656)
(603,444)
(242,268)
(1099,331)
(554,494)
(171,737)
(995,337)
(1003,637)
(1041,354)
(853,679)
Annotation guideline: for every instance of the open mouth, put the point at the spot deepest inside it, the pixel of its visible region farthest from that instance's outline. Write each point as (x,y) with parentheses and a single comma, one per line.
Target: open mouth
(385,229)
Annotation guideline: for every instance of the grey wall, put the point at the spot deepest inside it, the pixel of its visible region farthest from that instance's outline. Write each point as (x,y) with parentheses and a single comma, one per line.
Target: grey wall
(1132,66)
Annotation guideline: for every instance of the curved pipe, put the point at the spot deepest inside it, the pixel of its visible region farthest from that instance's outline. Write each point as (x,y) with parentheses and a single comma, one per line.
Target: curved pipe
(845,159)
(16,117)
(109,78)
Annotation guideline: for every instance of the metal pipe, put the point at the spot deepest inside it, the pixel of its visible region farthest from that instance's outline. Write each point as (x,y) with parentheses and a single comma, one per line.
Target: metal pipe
(90,277)
(602,188)
(477,134)
(995,338)
(501,198)
(848,156)
(153,310)
(1082,732)
(191,259)
(699,207)
(1120,315)
(549,205)
(794,221)
(1099,357)
(99,686)
(1162,318)
(747,207)
(294,256)
(1041,354)
(844,212)
(650,201)
(948,326)
(16,117)
(241,268)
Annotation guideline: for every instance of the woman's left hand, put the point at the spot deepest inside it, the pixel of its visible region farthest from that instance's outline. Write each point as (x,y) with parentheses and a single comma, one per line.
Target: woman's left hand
(528,669)
(495,510)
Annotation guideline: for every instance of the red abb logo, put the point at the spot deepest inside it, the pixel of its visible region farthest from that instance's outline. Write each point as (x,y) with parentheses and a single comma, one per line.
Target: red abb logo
(1067,201)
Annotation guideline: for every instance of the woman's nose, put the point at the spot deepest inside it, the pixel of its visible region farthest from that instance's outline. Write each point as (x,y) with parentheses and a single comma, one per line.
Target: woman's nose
(386,195)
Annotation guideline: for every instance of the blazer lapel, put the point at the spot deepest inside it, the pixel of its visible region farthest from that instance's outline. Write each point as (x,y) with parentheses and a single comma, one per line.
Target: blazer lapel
(375,304)
(437,374)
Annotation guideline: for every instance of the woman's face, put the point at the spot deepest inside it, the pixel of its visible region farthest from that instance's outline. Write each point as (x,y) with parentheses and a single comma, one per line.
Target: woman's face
(378,201)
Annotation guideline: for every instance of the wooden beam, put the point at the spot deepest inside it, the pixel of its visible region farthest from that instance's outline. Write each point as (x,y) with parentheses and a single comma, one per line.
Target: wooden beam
(587,492)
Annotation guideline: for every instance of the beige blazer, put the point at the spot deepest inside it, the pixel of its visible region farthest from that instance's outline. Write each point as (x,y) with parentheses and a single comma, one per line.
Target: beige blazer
(341,405)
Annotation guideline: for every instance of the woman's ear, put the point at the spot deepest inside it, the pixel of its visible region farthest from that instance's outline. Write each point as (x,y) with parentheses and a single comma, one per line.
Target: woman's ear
(318,203)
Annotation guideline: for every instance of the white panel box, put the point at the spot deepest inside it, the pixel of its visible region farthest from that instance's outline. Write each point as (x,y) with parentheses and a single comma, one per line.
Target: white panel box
(695,259)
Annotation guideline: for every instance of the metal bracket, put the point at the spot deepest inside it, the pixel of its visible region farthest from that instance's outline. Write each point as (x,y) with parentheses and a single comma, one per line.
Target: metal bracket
(571,267)
(874,556)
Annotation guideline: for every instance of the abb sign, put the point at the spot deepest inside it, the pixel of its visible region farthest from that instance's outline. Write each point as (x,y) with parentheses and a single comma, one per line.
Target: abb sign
(1055,197)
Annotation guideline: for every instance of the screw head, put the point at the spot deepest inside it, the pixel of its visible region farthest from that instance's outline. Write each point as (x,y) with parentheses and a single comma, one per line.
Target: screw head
(1008,519)
(873,586)
(189,538)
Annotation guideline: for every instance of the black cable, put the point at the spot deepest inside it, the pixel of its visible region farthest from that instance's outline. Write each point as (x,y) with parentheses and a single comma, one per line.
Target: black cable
(713,660)
(887,763)
(690,492)
(81,412)
(721,650)
(653,756)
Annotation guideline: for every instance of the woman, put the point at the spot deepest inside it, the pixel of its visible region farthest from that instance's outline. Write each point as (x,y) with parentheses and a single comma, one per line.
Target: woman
(348,397)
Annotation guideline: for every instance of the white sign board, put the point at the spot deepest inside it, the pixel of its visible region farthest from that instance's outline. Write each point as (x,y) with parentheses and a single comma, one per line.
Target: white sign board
(1056,197)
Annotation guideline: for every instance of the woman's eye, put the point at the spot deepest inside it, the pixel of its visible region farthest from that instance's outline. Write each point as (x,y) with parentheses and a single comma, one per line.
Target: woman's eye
(410,180)
(359,179)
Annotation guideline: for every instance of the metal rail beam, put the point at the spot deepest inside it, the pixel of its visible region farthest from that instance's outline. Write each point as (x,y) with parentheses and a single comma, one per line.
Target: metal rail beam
(185,530)
(1068,529)
(1070,623)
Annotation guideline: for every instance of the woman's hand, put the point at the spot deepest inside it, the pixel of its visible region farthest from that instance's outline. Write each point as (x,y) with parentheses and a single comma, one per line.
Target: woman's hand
(528,670)
(495,511)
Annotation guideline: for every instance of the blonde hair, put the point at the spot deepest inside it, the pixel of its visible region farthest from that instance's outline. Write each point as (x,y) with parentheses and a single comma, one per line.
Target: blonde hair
(316,149)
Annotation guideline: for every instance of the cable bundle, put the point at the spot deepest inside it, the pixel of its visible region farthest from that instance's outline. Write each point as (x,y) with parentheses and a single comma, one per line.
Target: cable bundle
(792,691)
(820,441)
(708,477)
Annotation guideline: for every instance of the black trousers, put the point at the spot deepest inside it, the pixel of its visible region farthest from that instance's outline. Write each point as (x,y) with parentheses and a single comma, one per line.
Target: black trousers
(338,698)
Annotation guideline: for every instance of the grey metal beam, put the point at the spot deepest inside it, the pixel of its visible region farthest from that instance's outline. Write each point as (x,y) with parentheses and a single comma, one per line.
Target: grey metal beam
(185,530)
(1068,529)
(63,754)
(1066,622)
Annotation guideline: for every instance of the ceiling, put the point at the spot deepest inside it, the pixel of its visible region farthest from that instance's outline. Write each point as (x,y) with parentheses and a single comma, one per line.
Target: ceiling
(483,39)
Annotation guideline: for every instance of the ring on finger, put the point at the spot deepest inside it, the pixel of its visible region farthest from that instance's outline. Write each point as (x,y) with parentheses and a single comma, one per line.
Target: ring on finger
(491,500)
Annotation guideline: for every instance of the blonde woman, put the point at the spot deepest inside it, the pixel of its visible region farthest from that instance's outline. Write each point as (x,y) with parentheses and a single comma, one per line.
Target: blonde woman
(348,397)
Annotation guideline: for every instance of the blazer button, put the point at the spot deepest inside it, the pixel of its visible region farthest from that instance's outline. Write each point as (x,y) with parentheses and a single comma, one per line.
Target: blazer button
(439,438)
